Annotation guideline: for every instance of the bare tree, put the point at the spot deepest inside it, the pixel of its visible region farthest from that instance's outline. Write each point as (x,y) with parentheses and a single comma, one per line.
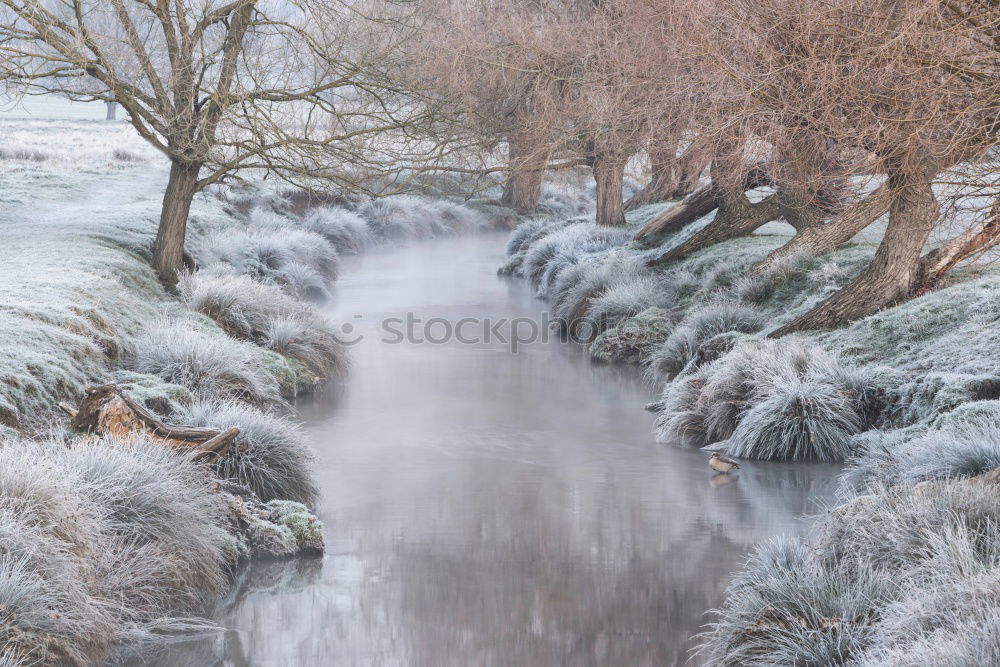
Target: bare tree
(216,85)
(480,60)
(853,108)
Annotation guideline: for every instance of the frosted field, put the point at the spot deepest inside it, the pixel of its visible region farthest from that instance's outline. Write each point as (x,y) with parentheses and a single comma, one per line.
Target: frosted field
(79,203)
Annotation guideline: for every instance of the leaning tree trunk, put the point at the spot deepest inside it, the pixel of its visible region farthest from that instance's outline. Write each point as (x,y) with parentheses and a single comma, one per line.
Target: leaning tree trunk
(893,273)
(168,253)
(523,189)
(818,239)
(698,204)
(664,177)
(735,218)
(972,243)
(609,175)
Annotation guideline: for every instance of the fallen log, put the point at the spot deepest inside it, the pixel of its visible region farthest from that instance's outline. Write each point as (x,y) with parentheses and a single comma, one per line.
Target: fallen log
(107,410)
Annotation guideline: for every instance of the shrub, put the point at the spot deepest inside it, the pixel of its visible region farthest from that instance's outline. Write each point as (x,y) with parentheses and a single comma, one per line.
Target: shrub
(269,456)
(207,364)
(696,328)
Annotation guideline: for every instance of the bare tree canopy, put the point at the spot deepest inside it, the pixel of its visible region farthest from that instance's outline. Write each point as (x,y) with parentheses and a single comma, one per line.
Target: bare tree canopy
(296,86)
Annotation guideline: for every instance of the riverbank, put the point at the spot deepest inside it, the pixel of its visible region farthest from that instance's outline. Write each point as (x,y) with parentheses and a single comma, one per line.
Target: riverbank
(114,543)
(907,397)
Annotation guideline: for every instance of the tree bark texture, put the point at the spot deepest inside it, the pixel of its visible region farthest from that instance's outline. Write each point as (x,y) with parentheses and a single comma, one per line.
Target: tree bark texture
(523,189)
(818,239)
(609,175)
(168,253)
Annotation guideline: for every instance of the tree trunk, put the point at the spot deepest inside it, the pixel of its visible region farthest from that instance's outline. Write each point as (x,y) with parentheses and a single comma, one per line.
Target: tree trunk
(168,253)
(819,239)
(609,175)
(698,204)
(112,109)
(690,167)
(523,189)
(734,219)
(894,271)
(983,236)
(664,177)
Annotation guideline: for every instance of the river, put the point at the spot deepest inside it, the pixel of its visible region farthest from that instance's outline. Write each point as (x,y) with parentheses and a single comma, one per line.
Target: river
(484,507)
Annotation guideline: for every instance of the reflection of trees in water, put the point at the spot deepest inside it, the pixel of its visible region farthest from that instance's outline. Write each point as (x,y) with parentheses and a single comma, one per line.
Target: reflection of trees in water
(771,499)
(535,604)
(260,578)
(592,564)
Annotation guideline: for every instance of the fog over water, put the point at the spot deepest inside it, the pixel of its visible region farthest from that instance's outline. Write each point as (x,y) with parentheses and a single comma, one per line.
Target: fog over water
(490,508)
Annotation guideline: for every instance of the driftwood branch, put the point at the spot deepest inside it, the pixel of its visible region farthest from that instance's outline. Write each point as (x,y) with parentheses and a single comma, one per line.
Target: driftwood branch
(106,410)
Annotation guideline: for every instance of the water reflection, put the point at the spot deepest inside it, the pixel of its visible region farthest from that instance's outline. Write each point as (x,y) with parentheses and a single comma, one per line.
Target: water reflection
(484,508)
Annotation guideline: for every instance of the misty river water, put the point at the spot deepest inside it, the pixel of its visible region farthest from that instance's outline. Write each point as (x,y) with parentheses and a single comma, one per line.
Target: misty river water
(484,507)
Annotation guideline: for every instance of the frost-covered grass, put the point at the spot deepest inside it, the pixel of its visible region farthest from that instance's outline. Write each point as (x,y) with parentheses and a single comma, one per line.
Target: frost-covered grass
(269,456)
(264,314)
(347,231)
(269,249)
(206,364)
(163,532)
(680,348)
(898,577)
(405,217)
(789,608)
(101,541)
(769,400)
